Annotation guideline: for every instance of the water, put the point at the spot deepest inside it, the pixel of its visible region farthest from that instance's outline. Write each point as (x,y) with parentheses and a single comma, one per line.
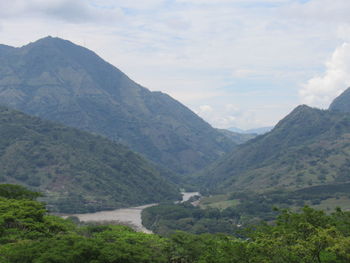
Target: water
(130,216)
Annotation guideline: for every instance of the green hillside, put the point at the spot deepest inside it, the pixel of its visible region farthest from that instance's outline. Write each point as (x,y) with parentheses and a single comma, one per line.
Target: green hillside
(76,171)
(309,147)
(237,137)
(30,235)
(60,81)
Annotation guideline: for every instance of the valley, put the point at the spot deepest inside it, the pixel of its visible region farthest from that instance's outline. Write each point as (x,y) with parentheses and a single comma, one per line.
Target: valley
(80,139)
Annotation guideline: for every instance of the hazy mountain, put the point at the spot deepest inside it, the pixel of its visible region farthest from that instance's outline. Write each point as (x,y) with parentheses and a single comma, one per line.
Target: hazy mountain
(237,137)
(342,102)
(77,171)
(257,131)
(308,147)
(60,81)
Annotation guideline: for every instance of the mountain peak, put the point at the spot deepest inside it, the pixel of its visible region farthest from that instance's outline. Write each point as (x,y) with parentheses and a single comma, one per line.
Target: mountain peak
(301,113)
(301,108)
(342,102)
(50,41)
(64,82)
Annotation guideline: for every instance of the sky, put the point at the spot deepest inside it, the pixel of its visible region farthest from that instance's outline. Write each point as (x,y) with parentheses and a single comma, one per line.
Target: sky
(236,63)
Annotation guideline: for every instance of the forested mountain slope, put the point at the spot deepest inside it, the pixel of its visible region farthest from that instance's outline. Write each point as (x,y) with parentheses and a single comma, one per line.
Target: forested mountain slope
(76,171)
(308,147)
(237,137)
(60,81)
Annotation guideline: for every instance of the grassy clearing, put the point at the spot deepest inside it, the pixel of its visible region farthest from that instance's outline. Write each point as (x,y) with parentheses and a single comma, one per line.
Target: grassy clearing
(222,204)
(331,203)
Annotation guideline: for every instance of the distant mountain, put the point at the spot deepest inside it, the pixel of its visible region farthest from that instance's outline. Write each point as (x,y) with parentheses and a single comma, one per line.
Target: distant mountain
(257,131)
(308,147)
(342,102)
(236,137)
(4,49)
(77,171)
(60,81)
(237,130)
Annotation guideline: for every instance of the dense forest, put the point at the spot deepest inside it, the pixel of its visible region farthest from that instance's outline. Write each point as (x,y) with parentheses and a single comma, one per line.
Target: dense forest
(29,234)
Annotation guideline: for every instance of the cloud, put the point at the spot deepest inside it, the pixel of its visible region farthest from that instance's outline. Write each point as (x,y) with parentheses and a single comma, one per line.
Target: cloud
(319,91)
(243,73)
(77,11)
(231,108)
(205,108)
(325,11)
(248,53)
(132,4)
(215,2)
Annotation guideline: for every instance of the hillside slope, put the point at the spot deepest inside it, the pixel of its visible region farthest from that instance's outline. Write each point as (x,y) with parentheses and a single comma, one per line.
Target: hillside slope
(342,102)
(77,171)
(60,81)
(237,137)
(308,147)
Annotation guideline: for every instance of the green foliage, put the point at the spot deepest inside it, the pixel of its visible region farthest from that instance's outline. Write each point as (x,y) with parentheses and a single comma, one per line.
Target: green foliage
(29,235)
(310,236)
(12,191)
(165,219)
(77,171)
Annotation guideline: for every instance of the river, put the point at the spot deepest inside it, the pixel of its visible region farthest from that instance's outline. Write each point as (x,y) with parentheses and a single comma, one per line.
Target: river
(130,216)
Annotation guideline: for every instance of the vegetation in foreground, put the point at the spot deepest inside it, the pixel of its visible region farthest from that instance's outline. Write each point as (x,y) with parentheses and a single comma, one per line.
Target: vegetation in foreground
(227,213)
(28,234)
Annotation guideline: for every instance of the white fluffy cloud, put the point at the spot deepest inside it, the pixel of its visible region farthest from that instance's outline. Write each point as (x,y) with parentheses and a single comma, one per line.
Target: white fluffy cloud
(321,90)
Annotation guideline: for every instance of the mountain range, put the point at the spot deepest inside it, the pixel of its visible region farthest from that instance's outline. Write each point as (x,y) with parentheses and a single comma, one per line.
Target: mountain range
(59,81)
(257,131)
(309,147)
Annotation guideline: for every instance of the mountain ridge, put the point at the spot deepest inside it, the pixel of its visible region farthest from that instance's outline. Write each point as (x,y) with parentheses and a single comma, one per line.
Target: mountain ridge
(342,102)
(60,81)
(308,147)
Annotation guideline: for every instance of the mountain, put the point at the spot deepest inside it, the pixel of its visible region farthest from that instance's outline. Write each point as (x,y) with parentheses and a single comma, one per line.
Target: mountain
(258,131)
(342,102)
(4,49)
(60,81)
(309,147)
(237,130)
(77,171)
(237,138)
